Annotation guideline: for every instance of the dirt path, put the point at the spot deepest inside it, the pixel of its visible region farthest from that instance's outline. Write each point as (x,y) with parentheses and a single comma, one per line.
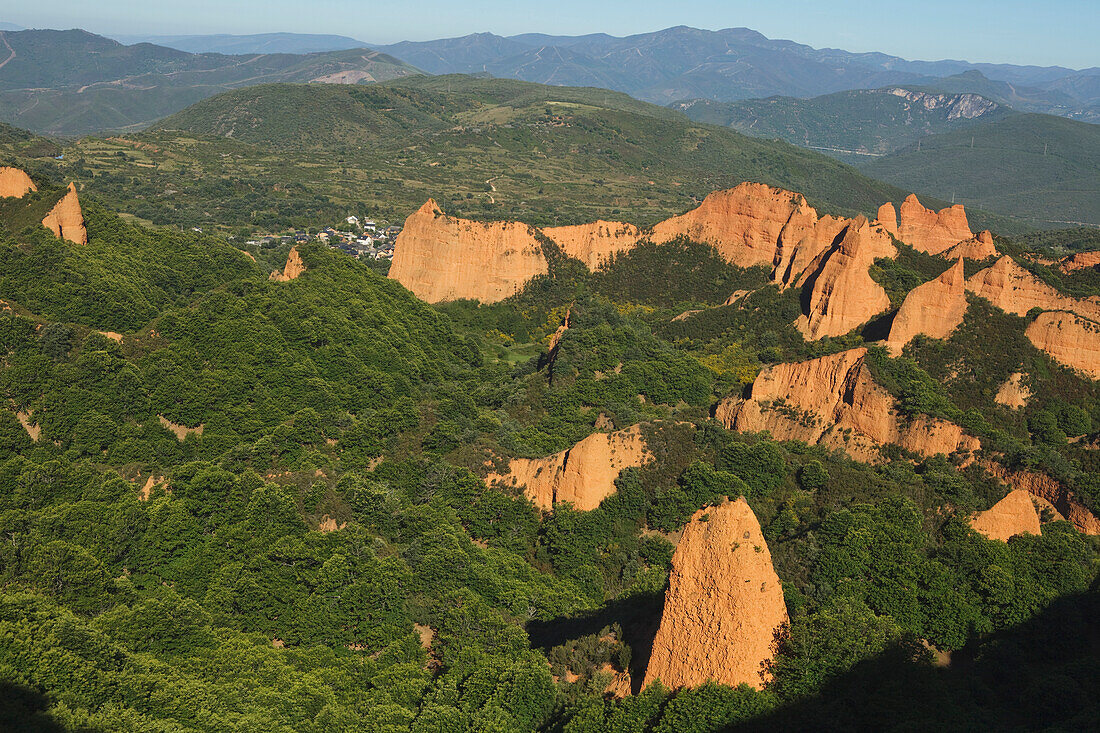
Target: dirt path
(492,188)
(4,38)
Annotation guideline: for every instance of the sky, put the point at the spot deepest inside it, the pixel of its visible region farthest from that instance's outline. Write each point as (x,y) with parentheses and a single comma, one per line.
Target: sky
(1042,32)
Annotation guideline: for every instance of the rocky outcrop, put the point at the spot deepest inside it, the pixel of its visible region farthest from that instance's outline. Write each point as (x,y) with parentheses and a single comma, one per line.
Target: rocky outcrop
(66,220)
(441,258)
(1013,393)
(1079,261)
(583,475)
(834,401)
(1069,339)
(935,309)
(842,294)
(594,244)
(888,218)
(930,231)
(15,182)
(723,605)
(1015,514)
(180,431)
(1013,289)
(1047,488)
(293,269)
(977,249)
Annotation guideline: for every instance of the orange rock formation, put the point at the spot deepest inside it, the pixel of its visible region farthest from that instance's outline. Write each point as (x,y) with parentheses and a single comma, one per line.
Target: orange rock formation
(594,244)
(441,258)
(583,475)
(1013,289)
(842,293)
(888,217)
(1013,393)
(935,308)
(834,401)
(1079,261)
(180,431)
(1069,339)
(66,220)
(293,269)
(977,249)
(15,182)
(930,231)
(723,605)
(1045,487)
(1015,514)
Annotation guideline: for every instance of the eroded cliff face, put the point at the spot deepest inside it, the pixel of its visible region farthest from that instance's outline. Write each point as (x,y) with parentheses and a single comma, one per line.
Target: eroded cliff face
(935,309)
(1069,339)
(15,182)
(293,269)
(1013,289)
(977,249)
(834,401)
(888,218)
(441,258)
(842,293)
(1047,488)
(583,475)
(931,231)
(1013,393)
(596,243)
(1015,514)
(1079,261)
(723,604)
(66,220)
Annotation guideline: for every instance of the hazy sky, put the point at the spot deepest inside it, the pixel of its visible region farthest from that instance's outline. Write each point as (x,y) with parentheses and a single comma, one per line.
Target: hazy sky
(1046,32)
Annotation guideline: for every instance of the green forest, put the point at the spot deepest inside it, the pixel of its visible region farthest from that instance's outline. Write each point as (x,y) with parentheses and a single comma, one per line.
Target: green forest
(232,503)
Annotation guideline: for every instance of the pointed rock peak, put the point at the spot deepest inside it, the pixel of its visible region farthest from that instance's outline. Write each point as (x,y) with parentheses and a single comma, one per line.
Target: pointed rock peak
(293,269)
(1015,514)
(934,309)
(954,275)
(15,182)
(888,217)
(985,236)
(930,231)
(723,605)
(430,207)
(66,220)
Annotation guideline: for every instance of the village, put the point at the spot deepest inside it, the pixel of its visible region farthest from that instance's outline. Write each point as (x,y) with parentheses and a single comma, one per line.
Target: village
(362,239)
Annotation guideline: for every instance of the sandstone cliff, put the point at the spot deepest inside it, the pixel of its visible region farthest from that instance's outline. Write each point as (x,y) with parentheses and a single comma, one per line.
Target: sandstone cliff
(583,475)
(15,182)
(1079,261)
(935,309)
(888,218)
(930,231)
(834,401)
(977,249)
(1069,339)
(723,605)
(842,293)
(294,267)
(594,244)
(1015,514)
(441,258)
(1013,289)
(1013,393)
(1045,487)
(66,220)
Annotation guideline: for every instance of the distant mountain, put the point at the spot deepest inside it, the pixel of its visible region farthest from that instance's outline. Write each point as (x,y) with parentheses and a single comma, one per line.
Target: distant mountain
(255,43)
(75,82)
(10,27)
(683,63)
(1026,166)
(852,126)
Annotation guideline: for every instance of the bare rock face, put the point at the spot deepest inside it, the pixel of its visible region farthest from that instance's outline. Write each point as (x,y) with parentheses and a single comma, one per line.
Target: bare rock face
(15,182)
(723,605)
(935,309)
(1069,339)
(834,401)
(1013,393)
(1044,487)
(66,220)
(441,258)
(293,269)
(842,293)
(583,475)
(596,243)
(977,249)
(1013,289)
(888,217)
(931,231)
(1079,261)
(1015,514)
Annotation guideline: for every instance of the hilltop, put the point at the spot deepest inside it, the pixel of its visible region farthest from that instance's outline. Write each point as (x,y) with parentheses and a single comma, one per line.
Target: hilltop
(74,82)
(484,148)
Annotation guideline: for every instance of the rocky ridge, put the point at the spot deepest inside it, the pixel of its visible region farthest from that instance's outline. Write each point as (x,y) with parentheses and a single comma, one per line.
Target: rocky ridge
(1015,514)
(293,269)
(66,220)
(935,309)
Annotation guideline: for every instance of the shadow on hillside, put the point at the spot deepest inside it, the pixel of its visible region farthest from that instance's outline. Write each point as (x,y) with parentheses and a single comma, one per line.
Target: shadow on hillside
(1041,675)
(25,709)
(639,616)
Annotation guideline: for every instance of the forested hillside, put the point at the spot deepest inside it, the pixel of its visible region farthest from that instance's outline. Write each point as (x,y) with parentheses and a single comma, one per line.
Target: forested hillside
(235,502)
